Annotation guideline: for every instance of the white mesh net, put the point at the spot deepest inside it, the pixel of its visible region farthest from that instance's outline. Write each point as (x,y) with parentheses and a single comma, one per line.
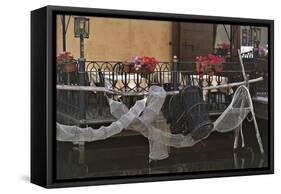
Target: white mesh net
(146,118)
(118,109)
(236,112)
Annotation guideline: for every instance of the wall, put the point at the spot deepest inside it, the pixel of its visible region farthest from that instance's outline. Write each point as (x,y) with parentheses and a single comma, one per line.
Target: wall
(120,39)
(221,36)
(264,35)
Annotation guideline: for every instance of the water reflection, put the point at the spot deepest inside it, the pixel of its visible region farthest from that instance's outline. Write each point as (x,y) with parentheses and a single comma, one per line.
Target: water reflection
(249,156)
(102,159)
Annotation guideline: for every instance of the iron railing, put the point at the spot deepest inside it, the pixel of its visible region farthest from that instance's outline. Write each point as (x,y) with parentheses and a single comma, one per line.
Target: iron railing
(111,75)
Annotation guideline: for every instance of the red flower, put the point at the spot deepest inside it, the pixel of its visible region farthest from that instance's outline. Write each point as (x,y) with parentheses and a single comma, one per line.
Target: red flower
(219,68)
(65,58)
(144,63)
(225,46)
(150,69)
(213,62)
(209,64)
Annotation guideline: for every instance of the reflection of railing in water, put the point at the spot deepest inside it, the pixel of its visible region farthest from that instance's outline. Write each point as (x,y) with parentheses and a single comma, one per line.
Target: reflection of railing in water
(111,75)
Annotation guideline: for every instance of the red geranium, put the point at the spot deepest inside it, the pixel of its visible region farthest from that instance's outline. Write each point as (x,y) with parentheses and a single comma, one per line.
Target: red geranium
(143,64)
(222,49)
(65,58)
(209,64)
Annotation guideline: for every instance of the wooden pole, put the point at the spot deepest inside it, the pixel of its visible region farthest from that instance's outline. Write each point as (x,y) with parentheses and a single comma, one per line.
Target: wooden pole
(233,84)
(105,90)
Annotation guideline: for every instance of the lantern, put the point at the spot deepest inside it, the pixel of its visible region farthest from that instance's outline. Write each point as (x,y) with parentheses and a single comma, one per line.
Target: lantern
(81,27)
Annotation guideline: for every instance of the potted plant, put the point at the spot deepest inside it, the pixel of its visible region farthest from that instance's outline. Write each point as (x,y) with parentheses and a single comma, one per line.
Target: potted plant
(66,62)
(222,50)
(261,51)
(209,64)
(139,64)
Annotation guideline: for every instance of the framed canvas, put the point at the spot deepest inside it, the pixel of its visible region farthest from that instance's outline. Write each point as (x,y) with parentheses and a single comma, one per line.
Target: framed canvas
(125,96)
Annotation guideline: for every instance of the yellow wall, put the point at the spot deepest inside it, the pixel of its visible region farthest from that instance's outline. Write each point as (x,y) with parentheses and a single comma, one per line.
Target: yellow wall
(119,39)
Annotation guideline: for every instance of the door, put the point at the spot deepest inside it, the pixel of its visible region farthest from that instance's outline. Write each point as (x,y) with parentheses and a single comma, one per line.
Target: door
(191,40)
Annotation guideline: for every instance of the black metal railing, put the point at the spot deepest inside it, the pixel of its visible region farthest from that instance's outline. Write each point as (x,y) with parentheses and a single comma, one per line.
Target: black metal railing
(111,75)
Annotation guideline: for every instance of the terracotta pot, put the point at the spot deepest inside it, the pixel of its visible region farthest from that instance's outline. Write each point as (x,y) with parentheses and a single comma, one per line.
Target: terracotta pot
(129,68)
(143,71)
(69,67)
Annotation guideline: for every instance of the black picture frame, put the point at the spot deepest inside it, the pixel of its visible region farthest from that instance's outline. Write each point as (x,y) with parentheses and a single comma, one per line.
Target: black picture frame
(43,99)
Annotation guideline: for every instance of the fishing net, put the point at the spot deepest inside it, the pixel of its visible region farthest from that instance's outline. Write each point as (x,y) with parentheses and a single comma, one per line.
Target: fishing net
(88,134)
(146,118)
(187,113)
(236,112)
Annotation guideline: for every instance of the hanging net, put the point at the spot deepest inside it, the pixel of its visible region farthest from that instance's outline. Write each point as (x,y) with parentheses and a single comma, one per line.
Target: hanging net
(88,134)
(236,112)
(147,118)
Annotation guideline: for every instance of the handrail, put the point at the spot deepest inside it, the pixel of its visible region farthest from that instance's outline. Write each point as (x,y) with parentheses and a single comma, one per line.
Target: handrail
(103,89)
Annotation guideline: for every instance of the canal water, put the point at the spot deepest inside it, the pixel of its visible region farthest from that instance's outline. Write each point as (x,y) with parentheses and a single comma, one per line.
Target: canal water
(126,156)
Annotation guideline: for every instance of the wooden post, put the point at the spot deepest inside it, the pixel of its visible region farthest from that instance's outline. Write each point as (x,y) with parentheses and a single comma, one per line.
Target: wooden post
(175,73)
(246,78)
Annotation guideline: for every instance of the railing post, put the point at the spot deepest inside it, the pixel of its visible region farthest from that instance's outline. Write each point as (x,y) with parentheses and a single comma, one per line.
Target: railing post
(175,73)
(82,82)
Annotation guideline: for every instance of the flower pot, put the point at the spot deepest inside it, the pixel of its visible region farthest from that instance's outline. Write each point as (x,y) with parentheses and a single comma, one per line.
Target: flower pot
(128,68)
(143,71)
(69,67)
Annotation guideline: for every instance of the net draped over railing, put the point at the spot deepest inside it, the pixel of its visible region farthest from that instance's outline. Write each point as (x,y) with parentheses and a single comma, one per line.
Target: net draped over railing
(111,75)
(146,118)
